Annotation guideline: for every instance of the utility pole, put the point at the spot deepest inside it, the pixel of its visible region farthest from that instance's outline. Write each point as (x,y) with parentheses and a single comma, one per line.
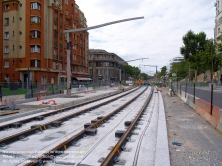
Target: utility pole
(68,72)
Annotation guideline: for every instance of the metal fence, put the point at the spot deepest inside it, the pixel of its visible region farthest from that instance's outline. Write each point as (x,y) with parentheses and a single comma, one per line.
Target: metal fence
(33,89)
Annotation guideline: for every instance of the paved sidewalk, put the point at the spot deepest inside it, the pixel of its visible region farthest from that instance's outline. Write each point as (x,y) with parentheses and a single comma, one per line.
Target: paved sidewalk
(201,143)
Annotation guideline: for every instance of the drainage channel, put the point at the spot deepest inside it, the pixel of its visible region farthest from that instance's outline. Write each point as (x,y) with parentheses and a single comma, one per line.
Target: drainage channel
(54,123)
(51,151)
(18,123)
(113,157)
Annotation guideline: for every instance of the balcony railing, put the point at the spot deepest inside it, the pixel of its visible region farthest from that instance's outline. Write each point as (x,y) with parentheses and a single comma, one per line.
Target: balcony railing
(56,44)
(55,57)
(56,31)
(56,20)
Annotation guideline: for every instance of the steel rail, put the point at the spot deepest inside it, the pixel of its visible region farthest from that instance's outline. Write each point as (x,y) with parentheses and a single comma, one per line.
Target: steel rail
(112,157)
(27,120)
(64,145)
(15,137)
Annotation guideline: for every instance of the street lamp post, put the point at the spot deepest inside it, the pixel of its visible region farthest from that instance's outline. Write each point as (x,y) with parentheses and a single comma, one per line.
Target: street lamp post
(68,46)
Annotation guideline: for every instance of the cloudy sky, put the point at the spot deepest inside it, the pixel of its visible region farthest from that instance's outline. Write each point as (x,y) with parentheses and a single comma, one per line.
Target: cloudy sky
(158,36)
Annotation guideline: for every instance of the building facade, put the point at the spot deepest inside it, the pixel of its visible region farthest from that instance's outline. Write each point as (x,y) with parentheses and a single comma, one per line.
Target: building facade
(105,65)
(218,20)
(33,43)
(172,61)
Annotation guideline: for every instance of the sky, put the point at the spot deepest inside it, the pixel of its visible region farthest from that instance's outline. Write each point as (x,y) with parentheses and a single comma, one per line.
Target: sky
(158,36)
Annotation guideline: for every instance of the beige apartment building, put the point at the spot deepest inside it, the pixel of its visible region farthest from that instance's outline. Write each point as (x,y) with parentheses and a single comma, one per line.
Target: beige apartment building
(218,31)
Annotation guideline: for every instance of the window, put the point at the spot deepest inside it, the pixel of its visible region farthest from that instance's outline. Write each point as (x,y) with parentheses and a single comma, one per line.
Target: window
(35,5)
(35,34)
(106,63)
(7,77)
(35,19)
(35,63)
(6,35)
(6,49)
(35,48)
(74,47)
(6,64)
(13,19)
(6,21)
(67,2)
(43,80)
(67,13)
(218,30)
(7,7)
(55,52)
(74,57)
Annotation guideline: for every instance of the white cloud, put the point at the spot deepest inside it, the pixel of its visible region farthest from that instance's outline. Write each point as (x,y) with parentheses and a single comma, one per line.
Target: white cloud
(158,36)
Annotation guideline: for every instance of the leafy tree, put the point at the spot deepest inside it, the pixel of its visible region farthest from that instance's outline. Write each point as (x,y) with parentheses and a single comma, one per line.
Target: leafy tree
(163,71)
(180,69)
(194,44)
(132,71)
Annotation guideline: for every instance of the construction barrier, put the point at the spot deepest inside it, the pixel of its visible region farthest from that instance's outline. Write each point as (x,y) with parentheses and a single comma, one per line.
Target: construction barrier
(219,125)
(203,108)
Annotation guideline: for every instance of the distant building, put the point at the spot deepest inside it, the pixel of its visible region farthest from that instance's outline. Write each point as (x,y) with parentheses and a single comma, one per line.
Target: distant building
(172,61)
(106,65)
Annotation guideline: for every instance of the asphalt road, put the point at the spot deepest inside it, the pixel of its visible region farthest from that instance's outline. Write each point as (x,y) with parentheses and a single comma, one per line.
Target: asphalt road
(206,95)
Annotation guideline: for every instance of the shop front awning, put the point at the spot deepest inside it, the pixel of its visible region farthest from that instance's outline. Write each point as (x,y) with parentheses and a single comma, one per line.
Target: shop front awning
(83,79)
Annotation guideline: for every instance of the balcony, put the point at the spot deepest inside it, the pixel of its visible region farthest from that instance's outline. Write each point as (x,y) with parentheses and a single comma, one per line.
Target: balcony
(56,44)
(55,57)
(60,58)
(56,31)
(56,20)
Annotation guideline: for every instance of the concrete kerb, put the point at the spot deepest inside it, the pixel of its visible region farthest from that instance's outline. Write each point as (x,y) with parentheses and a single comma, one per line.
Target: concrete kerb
(11,117)
(219,125)
(162,149)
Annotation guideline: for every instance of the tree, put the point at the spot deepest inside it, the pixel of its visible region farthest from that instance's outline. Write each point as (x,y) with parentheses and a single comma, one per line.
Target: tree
(180,69)
(193,46)
(163,71)
(132,71)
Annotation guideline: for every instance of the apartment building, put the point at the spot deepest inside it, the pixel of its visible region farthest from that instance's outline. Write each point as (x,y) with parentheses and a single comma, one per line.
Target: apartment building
(218,20)
(105,65)
(33,43)
(172,61)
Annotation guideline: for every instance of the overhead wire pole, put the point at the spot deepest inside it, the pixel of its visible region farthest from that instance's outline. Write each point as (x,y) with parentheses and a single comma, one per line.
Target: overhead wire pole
(131,61)
(68,46)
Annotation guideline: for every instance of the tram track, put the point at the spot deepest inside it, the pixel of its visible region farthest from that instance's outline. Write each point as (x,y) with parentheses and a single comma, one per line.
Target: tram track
(74,139)
(5,126)
(57,121)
